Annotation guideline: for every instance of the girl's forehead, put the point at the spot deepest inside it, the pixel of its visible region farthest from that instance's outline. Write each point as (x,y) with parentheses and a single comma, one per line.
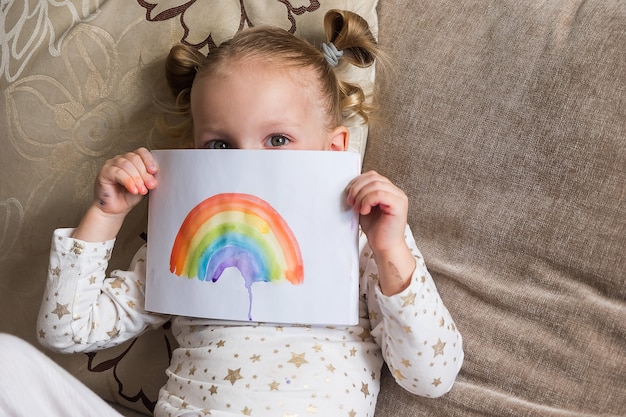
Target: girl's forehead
(254,70)
(260,88)
(260,65)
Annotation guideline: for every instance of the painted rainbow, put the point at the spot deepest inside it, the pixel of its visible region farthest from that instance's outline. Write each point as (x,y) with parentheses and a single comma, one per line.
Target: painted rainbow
(241,231)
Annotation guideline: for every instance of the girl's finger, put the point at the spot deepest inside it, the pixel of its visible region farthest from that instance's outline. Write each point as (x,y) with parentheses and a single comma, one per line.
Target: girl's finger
(129,180)
(136,167)
(377,192)
(148,160)
(356,186)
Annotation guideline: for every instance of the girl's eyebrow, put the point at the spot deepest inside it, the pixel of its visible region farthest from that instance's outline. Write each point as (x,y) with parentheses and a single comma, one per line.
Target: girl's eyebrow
(281,123)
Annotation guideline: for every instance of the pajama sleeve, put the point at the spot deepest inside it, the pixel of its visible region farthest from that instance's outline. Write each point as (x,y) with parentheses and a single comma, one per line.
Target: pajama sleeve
(82,308)
(419,340)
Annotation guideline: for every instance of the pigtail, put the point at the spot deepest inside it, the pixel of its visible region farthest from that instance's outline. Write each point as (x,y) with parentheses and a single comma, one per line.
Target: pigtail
(350,34)
(181,67)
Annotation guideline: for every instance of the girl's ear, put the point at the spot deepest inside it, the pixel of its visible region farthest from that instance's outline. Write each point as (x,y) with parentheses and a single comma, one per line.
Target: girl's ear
(339,138)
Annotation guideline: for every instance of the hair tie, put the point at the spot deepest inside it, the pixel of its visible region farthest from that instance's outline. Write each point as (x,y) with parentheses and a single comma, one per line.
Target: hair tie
(331,53)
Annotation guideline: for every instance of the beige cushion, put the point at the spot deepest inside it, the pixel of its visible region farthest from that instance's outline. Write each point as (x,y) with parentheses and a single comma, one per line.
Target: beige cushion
(506,126)
(78,83)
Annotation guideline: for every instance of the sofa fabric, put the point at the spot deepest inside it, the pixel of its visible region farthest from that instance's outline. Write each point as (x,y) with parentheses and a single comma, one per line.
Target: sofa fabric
(503,120)
(505,123)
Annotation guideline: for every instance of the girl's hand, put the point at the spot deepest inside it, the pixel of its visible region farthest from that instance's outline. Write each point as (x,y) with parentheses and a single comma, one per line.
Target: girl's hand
(124,180)
(383,208)
(120,186)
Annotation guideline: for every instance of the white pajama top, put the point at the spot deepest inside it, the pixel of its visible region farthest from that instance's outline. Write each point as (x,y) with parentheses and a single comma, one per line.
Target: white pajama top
(230,368)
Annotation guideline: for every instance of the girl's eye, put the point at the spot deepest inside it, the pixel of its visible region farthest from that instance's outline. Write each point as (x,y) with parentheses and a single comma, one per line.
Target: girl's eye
(217,144)
(277,140)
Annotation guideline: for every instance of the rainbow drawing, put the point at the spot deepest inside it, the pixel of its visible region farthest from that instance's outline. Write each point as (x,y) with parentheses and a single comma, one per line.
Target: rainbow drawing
(241,231)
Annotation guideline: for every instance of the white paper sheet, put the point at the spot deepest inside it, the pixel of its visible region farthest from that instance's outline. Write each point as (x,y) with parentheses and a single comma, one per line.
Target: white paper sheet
(255,236)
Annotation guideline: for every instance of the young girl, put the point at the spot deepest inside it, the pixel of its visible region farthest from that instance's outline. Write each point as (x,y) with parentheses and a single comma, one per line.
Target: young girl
(264,89)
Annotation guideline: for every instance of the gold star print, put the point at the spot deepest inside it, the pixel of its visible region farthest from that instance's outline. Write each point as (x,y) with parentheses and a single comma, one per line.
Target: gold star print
(317,347)
(352,413)
(178,368)
(131,304)
(436,382)
(398,375)
(113,333)
(117,283)
(365,389)
(298,359)
(352,352)
(233,375)
(442,322)
(56,271)
(221,343)
(408,299)
(213,390)
(406,363)
(92,280)
(330,368)
(77,248)
(192,370)
(42,334)
(365,334)
(255,358)
(246,411)
(61,310)
(274,386)
(438,347)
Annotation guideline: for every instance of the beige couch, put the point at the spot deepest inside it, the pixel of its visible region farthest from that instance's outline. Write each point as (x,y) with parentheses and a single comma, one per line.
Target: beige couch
(504,122)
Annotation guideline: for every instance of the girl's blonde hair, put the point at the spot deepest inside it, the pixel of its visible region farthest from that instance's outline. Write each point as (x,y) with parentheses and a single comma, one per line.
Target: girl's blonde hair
(348,31)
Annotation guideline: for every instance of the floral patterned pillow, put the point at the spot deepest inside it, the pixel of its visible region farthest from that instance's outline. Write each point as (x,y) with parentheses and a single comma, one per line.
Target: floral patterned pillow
(79,78)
